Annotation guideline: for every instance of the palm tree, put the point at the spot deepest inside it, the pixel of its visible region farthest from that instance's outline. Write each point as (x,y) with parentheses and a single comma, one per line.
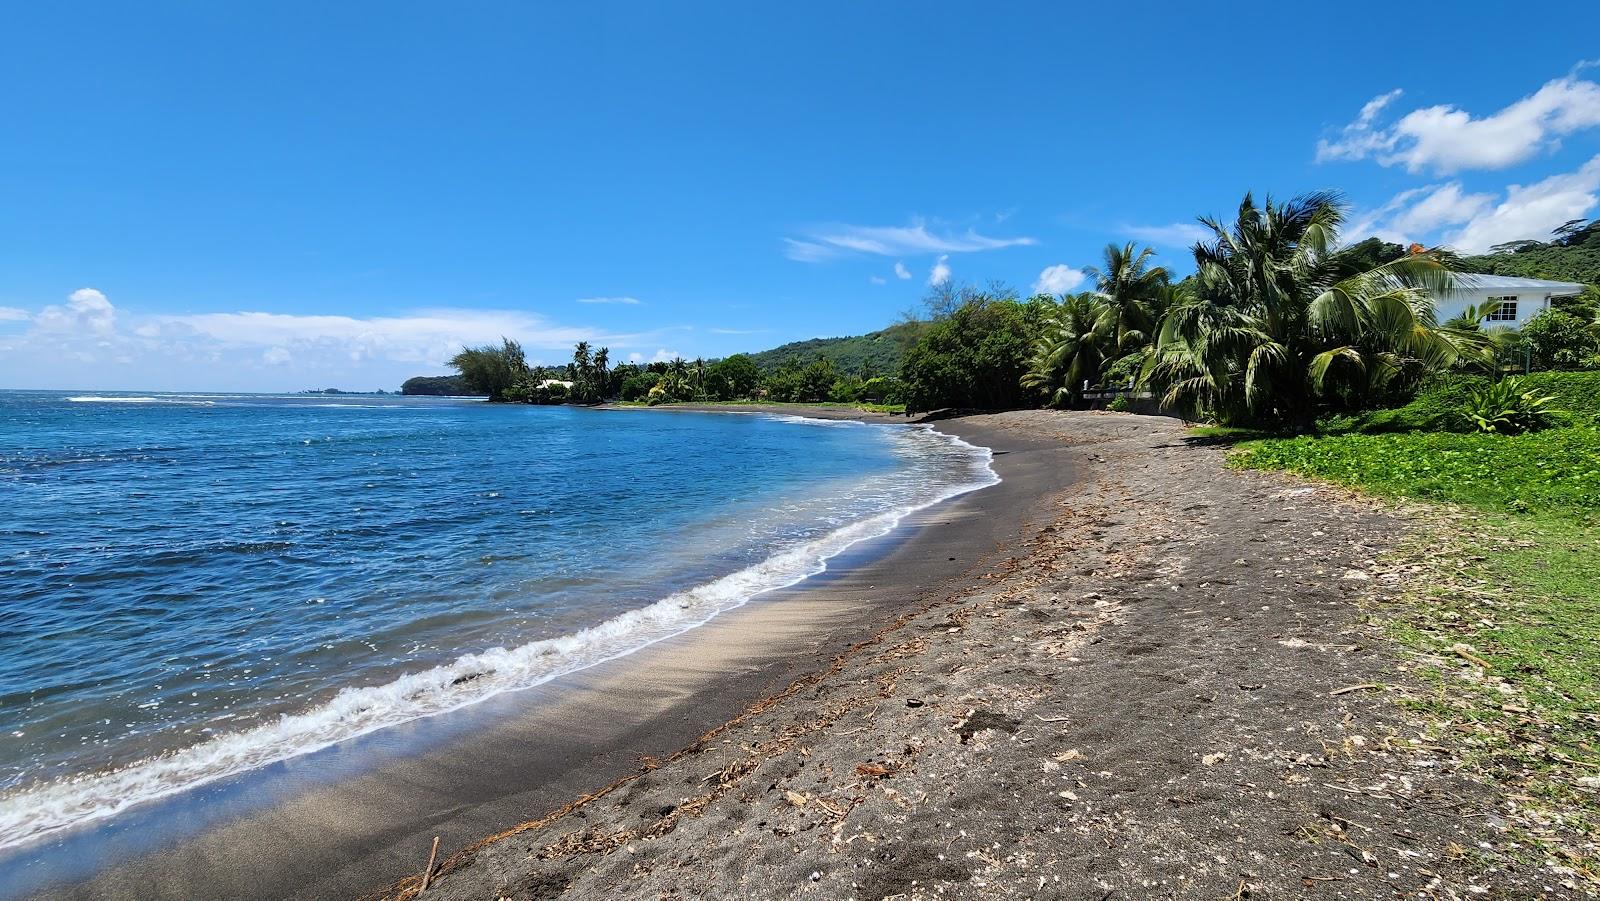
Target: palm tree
(1074,348)
(1133,289)
(1282,324)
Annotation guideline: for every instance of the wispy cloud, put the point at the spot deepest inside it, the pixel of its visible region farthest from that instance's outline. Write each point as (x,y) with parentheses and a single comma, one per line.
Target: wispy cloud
(1058,279)
(1446,139)
(738,331)
(1176,234)
(12,314)
(628,301)
(940,273)
(900,271)
(877,280)
(831,242)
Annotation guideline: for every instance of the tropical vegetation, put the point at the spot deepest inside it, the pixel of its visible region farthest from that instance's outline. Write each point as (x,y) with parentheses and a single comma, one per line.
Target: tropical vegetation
(1280,327)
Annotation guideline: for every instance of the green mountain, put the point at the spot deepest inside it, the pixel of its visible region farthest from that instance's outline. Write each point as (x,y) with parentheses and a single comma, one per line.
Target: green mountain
(1574,256)
(875,353)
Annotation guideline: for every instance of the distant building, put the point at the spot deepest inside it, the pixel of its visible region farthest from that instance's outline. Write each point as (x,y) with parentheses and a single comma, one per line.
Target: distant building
(548,382)
(1516,299)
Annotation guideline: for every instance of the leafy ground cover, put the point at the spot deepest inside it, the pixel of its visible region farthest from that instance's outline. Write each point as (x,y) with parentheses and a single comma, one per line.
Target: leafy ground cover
(1555,472)
(1501,608)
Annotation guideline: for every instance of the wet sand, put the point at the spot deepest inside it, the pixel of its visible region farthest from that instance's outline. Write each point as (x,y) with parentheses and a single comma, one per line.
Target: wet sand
(325,837)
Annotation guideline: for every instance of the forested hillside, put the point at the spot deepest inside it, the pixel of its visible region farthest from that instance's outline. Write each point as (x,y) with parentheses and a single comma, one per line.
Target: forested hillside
(875,353)
(1573,255)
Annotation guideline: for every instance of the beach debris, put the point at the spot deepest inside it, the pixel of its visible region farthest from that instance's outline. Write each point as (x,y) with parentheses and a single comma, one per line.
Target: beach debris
(1349,688)
(1069,754)
(1213,759)
(913,702)
(1469,653)
(982,720)
(796,798)
(830,808)
(1356,575)
(427,875)
(871,770)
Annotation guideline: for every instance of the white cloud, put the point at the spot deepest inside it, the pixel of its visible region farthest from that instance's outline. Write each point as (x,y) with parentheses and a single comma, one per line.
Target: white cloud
(86,312)
(1448,139)
(1418,213)
(1177,234)
(1531,211)
(738,331)
(940,273)
(877,280)
(636,357)
(86,342)
(627,301)
(12,314)
(900,271)
(665,356)
(840,240)
(1058,279)
(1474,222)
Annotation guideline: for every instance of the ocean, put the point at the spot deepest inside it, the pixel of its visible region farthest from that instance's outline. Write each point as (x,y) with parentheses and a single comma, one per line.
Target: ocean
(193,586)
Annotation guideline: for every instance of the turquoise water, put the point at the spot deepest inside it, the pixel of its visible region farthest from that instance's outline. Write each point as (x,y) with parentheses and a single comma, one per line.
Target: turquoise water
(193,586)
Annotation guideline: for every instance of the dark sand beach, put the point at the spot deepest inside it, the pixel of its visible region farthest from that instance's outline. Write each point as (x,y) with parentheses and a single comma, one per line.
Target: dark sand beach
(559,741)
(1125,671)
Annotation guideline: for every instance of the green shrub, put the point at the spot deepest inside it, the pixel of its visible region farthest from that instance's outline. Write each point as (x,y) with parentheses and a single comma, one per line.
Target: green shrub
(1505,408)
(1120,404)
(1560,340)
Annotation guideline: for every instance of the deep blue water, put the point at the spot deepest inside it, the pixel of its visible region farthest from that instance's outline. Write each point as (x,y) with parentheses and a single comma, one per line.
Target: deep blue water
(192,586)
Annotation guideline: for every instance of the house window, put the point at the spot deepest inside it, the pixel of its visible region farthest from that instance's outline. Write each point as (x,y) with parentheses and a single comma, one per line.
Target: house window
(1505,312)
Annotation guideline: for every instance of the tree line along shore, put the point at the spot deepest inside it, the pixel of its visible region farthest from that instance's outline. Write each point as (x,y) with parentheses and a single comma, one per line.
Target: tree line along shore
(1280,328)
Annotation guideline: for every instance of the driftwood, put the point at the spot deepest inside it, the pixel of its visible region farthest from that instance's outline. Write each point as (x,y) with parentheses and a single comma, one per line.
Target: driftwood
(427,875)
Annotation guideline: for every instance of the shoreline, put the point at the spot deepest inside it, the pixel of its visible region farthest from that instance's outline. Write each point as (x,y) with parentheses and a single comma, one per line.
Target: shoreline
(502,758)
(1126,670)
(1167,683)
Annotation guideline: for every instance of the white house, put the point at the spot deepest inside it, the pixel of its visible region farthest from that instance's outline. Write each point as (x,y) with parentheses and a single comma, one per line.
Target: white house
(1520,299)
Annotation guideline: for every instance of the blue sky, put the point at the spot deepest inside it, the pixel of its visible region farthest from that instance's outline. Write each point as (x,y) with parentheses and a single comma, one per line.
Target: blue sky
(280,196)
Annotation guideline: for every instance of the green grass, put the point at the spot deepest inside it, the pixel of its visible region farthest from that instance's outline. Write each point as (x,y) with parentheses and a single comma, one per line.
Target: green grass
(1510,575)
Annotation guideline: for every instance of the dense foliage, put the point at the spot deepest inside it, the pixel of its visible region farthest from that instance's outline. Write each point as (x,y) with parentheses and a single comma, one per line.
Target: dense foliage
(1283,326)
(975,357)
(1572,255)
(492,370)
(437,386)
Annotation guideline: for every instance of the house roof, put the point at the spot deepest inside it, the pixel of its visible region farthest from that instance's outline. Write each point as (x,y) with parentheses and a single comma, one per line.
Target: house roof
(1513,283)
